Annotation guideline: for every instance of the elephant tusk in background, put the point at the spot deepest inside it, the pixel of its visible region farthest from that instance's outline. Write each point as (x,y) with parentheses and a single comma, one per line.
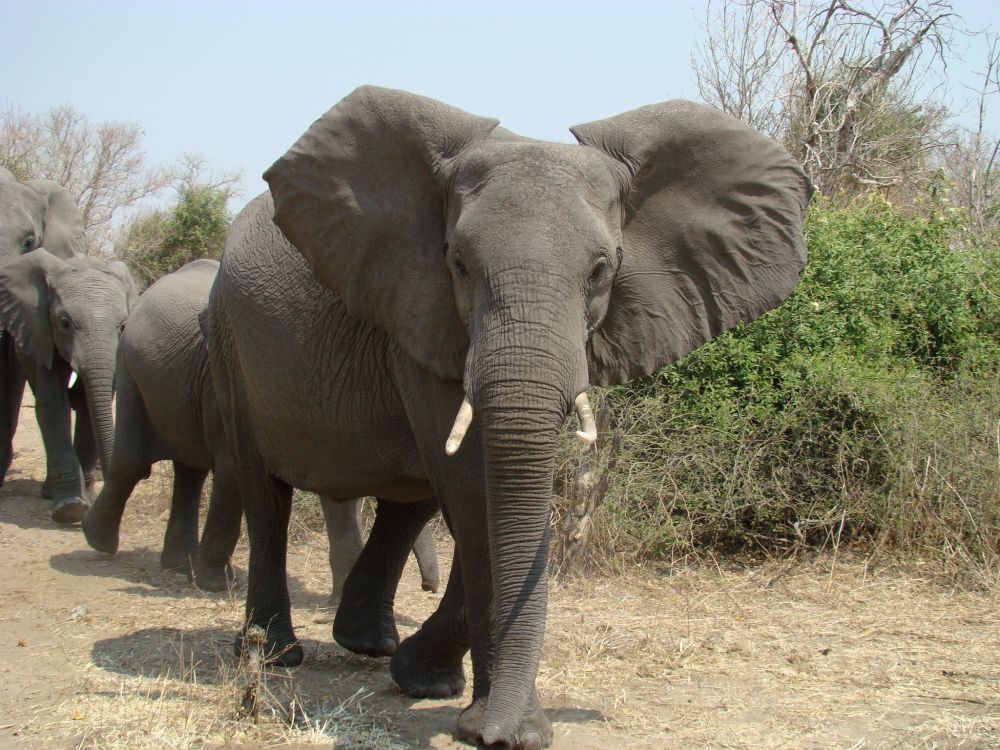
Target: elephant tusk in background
(462,422)
(588,427)
(72,378)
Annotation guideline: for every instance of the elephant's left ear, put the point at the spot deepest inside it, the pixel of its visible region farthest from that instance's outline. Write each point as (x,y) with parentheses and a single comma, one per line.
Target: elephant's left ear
(120,271)
(63,235)
(712,233)
(24,302)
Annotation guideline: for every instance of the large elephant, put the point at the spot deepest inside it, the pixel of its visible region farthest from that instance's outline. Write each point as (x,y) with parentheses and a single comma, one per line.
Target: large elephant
(166,410)
(35,213)
(65,318)
(429,263)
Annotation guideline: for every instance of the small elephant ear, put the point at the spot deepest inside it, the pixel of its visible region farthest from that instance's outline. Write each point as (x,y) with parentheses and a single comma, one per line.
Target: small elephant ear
(64,231)
(712,233)
(361,196)
(120,271)
(24,302)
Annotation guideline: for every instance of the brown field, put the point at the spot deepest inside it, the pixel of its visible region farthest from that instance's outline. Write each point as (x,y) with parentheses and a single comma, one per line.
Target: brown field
(849,653)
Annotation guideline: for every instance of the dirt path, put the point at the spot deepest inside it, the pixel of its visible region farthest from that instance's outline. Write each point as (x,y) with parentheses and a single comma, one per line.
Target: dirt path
(113,653)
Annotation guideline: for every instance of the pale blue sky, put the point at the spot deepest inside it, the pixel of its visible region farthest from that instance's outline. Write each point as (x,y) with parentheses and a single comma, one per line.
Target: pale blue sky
(238,82)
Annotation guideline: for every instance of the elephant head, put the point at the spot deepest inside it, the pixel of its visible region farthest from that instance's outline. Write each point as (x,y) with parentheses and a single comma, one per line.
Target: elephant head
(531,270)
(73,310)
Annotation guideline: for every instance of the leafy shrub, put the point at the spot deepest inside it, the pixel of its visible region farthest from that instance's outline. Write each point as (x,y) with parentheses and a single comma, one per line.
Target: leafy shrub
(862,409)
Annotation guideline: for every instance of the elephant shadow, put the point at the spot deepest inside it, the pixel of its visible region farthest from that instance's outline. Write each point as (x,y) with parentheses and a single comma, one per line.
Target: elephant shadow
(139,566)
(330,677)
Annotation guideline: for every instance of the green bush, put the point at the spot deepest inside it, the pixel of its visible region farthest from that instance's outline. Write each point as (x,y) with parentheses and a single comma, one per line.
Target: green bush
(862,409)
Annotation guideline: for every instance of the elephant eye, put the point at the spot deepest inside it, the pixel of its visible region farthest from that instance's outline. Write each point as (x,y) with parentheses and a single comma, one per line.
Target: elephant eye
(64,322)
(29,242)
(460,268)
(599,271)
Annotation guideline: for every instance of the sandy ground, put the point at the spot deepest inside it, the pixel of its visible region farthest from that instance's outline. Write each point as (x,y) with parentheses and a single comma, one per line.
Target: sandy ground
(100,652)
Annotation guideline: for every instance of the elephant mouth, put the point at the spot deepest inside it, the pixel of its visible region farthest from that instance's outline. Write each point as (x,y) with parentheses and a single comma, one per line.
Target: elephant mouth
(585,413)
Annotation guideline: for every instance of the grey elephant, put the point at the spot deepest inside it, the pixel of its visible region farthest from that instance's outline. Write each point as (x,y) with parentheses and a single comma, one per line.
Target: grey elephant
(431,264)
(33,214)
(166,410)
(65,318)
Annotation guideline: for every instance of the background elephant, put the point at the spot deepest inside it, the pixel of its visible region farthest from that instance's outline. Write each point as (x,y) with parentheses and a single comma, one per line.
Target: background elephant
(166,410)
(65,317)
(33,214)
(438,265)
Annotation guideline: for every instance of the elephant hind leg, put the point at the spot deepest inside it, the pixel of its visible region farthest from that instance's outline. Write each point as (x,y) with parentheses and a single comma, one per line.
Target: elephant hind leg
(180,541)
(343,533)
(425,551)
(365,622)
(213,571)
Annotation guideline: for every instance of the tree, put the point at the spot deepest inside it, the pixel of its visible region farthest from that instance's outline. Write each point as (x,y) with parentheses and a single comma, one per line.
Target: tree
(102,165)
(836,82)
(158,242)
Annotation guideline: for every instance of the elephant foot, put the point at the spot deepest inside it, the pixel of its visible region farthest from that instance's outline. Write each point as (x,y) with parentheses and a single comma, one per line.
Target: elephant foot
(430,584)
(422,673)
(533,732)
(214,577)
(366,629)
(47,489)
(276,649)
(99,533)
(176,560)
(70,510)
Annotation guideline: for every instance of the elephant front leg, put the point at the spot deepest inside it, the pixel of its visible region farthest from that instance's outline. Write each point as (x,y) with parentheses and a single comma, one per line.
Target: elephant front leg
(365,622)
(428,664)
(64,477)
(11,391)
(85,447)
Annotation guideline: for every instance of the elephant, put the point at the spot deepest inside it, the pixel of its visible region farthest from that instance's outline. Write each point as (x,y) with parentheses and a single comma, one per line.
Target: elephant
(65,317)
(33,214)
(166,409)
(422,298)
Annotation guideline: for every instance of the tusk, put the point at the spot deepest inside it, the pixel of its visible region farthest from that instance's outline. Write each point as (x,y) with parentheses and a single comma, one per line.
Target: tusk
(72,378)
(462,422)
(588,428)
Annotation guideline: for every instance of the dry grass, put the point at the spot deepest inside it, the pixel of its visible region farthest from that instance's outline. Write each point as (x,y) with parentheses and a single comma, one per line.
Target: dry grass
(835,652)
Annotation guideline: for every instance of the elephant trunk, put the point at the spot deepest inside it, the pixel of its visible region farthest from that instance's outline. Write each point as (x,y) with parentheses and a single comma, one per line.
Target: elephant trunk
(97,371)
(523,380)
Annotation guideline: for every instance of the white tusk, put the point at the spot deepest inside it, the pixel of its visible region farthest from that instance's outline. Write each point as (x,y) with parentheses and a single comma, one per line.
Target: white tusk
(72,378)
(588,428)
(462,422)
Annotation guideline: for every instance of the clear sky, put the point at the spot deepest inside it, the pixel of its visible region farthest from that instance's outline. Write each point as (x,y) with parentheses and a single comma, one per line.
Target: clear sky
(238,82)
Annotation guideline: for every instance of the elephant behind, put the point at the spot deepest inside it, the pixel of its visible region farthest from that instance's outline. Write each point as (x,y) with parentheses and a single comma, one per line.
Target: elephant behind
(166,410)
(431,264)
(33,214)
(64,318)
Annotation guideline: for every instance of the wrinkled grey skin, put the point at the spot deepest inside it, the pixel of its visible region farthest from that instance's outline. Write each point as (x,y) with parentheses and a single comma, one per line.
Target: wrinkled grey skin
(65,315)
(33,214)
(424,254)
(166,410)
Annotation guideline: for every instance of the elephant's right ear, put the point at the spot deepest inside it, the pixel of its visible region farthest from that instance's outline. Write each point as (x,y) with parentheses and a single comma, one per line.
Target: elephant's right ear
(361,196)
(64,229)
(24,302)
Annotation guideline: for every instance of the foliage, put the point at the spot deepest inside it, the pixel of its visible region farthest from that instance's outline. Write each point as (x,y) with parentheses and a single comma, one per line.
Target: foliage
(159,242)
(102,165)
(862,409)
(839,83)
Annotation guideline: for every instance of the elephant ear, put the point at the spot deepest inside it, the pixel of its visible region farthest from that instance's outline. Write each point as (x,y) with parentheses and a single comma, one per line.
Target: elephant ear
(24,302)
(712,233)
(361,196)
(120,271)
(64,231)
